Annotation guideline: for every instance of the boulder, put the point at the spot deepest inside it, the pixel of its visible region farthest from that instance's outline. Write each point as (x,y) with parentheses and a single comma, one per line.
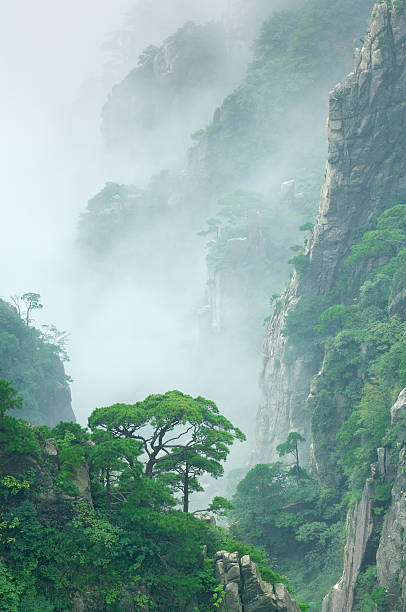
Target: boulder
(244,588)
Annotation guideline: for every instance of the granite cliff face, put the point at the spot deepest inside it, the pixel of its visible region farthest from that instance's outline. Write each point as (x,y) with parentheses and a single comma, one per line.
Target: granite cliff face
(362,535)
(244,588)
(391,552)
(370,538)
(366,169)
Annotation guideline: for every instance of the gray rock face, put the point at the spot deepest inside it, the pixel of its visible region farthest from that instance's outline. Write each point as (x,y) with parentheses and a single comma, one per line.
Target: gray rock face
(391,553)
(360,525)
(50,447)
(366,166)
(81,480)
(245,591)
(398,416)
(392,549)
(362,522)
(58,406)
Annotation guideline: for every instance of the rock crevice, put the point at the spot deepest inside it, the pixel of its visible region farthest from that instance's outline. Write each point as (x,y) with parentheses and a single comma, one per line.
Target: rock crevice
(245,591)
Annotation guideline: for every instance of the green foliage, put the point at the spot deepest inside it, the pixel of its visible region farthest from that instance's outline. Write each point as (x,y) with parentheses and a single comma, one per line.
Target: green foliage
(300,262)
(290,447)
(12,485)
(356,338)
(363,432)
(239,214)
(16,436)
(297,54)
(300,526)
(249,246)
(131,541)
(35,603)
(300,327)
(307,227)
(189,436)
(333,320)
(31,360)
(8,591)
(220,506)
(368,596)
(113,212)
(9,399)
(386,239)
(71,441)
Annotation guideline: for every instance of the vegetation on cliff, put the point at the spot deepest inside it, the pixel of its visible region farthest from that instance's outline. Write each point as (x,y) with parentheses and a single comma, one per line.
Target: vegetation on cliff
(359,344)
(298,55)
(33,360)
(82,520)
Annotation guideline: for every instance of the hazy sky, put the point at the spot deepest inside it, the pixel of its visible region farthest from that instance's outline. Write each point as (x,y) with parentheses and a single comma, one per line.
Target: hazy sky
(51,154)
(131,335)
(52,162)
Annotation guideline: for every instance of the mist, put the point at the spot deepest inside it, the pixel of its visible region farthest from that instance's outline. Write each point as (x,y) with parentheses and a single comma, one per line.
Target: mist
(132,316)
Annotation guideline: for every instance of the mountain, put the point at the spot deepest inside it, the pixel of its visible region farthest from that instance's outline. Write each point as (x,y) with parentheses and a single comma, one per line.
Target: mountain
(335,348)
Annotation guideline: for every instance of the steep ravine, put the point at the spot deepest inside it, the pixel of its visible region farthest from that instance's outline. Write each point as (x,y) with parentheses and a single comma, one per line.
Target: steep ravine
(366,170)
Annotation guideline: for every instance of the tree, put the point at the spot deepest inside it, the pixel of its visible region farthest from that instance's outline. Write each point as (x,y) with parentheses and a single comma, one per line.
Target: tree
(290,446)
(9,399)
(219,506)
(109,458)
(184,466)
(58,339)
(386,239)
(181,436)
(32,301)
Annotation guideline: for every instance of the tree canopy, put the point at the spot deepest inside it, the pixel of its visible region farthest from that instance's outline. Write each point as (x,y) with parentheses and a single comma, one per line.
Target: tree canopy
(181,437)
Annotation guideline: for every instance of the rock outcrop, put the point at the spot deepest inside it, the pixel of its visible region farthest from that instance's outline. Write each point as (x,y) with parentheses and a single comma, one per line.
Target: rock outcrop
(245,591)
(52,503)
(360,526)
(370,542)
(366,169)
(171,92)
(391,553)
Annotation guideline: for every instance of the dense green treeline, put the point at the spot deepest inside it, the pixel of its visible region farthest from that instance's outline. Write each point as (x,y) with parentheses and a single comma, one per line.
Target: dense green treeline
(83,518)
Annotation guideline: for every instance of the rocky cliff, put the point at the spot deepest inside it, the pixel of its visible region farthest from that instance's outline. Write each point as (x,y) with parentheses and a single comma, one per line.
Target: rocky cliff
(244,588)
(171,92)
(362,535)
(366,169)
(373,541)
(390,557)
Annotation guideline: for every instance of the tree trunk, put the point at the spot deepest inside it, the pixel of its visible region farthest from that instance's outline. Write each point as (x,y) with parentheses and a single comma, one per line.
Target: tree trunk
(297,462)
(186,489)
(149,467)
(108,489)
